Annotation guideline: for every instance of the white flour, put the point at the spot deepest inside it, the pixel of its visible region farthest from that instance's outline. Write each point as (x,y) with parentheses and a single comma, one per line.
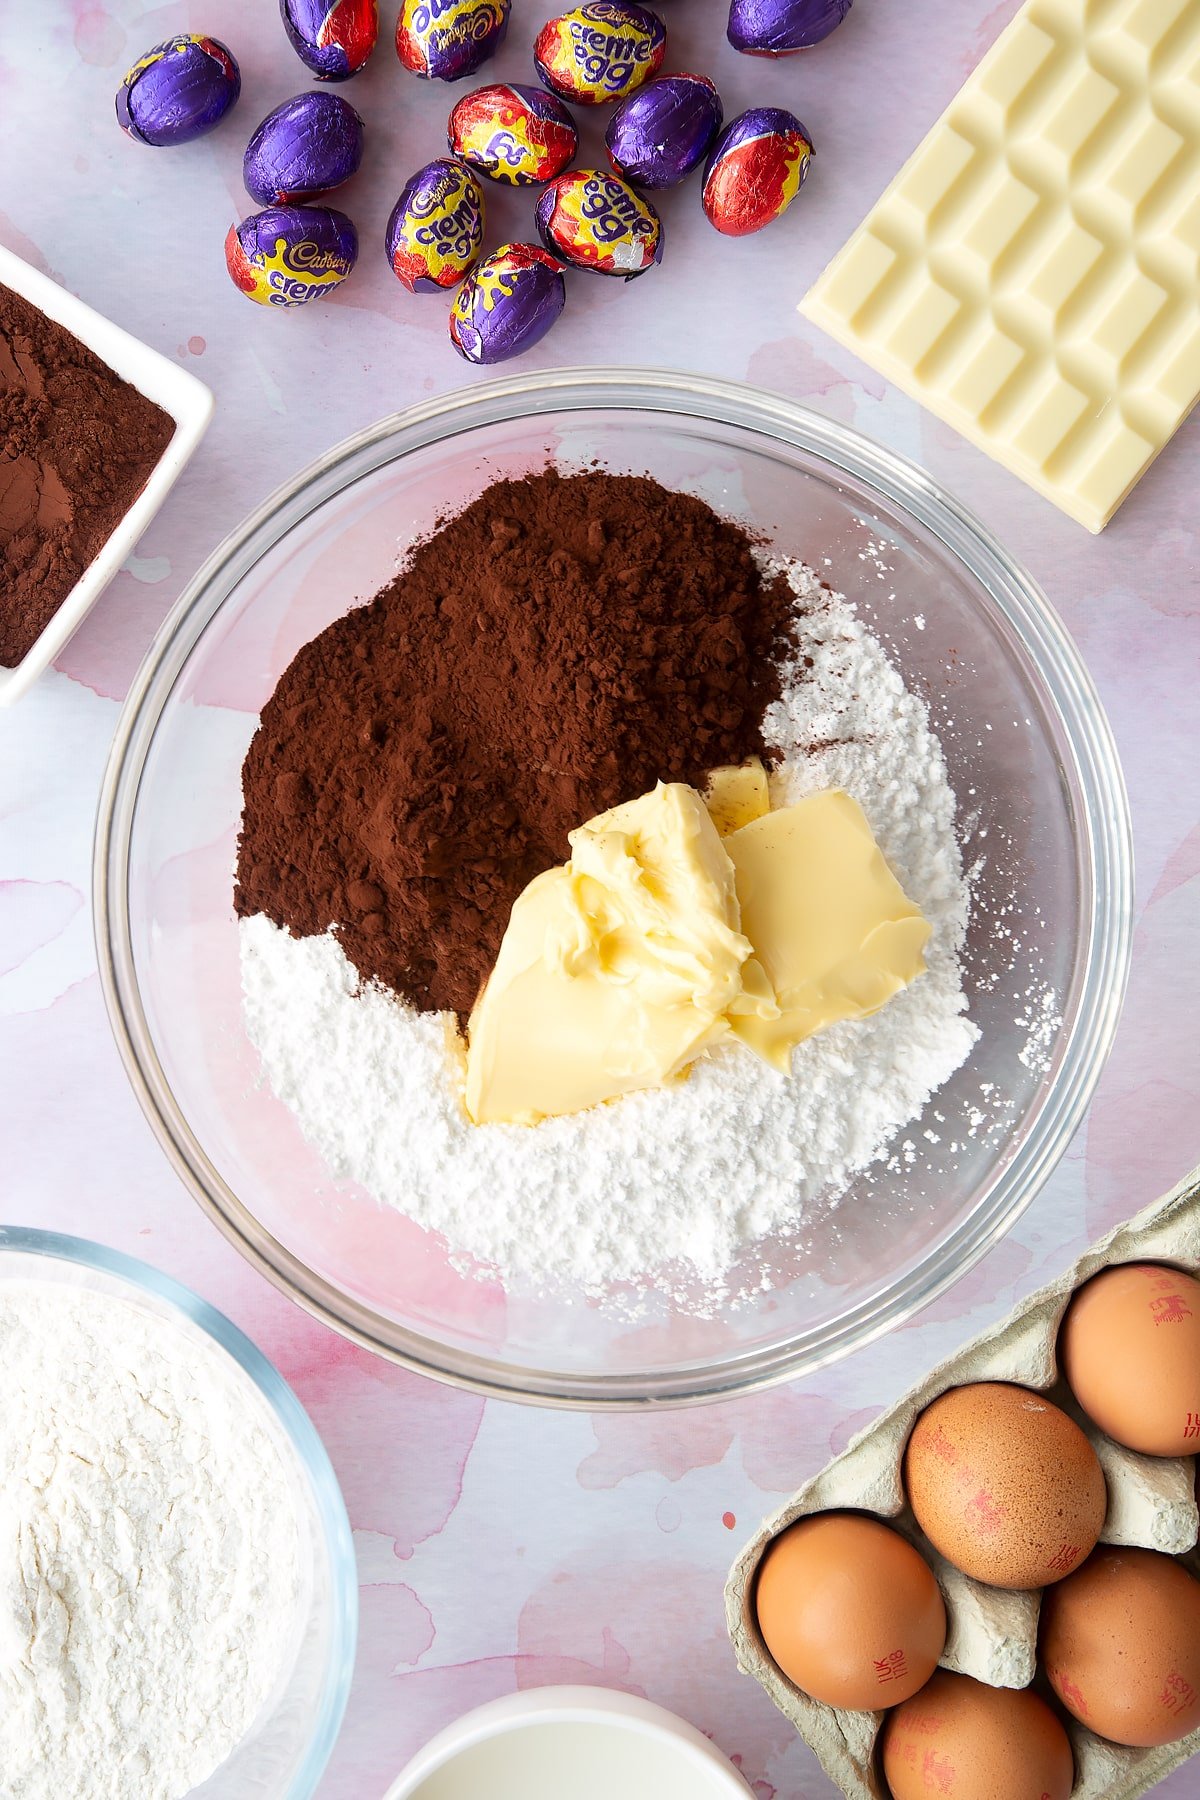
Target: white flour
(681,1180)
(149,1558)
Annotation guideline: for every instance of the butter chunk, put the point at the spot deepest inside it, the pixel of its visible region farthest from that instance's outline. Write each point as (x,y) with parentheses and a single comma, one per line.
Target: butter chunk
(616,969)
(831,927)
(736,794)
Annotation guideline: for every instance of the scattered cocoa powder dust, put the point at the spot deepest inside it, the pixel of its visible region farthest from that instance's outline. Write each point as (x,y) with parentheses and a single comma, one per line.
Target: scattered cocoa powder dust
(76,446)
(556,648)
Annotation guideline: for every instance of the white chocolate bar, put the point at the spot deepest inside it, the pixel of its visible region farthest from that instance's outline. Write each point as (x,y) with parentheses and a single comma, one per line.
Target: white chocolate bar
(1032,275)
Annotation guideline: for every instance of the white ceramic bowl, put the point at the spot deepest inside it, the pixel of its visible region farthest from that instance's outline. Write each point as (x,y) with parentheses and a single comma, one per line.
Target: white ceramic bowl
(684,1761)
(187,401)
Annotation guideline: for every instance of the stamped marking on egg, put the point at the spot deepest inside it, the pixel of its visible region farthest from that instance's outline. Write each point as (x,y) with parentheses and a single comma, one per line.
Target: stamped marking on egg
(1064,1558)
(1172,1309)
(984,1512)
(1191,1428)
(1069,1691)
(1178,1694)
(892,1667)
(939,1445)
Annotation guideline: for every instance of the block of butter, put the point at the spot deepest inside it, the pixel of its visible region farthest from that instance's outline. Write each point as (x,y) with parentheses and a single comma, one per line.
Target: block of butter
(831,926)
(617,968)
(660,939)
(1032,275)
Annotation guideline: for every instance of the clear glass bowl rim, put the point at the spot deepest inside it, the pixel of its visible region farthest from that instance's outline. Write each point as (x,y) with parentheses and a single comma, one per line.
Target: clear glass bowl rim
(1104,846)
(301,1432)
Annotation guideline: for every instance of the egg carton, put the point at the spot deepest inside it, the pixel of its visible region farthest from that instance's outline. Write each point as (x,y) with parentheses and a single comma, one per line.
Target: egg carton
(992,1632)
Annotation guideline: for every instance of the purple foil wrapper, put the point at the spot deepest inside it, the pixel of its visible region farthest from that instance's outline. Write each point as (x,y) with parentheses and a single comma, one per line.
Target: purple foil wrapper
(660,133)
(781,27)
(333,38)
(507,304)
(307,146)
(178,91)
(289,255)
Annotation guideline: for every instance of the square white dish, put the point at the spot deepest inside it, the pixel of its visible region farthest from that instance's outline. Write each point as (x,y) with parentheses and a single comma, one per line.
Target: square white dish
(188,402)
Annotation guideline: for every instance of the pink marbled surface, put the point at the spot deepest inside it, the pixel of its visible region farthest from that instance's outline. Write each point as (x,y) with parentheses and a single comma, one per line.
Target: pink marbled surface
(500,1547)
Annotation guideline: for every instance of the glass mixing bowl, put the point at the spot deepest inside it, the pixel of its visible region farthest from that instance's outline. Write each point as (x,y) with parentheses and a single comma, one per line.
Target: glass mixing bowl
(286,1749)
(1043,820)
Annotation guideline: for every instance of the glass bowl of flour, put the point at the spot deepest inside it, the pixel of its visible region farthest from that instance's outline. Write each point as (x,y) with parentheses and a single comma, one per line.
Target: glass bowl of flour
(178,1600)
(740,1227)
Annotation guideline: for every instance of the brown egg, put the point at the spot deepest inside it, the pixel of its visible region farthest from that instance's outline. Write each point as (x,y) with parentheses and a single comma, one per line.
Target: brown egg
(961,1740)
(850,1611)
(1120,1642)
(1130,1348)
(1004,1485)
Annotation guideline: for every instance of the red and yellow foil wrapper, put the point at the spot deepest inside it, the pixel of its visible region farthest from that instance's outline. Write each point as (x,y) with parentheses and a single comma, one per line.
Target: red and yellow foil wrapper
(755,170)
(596,221)
(600,51)
(435,233)
(507,304)
(289,255)
(444,40)
(512,133)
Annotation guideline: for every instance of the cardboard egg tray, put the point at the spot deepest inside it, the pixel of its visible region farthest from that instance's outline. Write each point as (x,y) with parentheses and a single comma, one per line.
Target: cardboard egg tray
(992,1632)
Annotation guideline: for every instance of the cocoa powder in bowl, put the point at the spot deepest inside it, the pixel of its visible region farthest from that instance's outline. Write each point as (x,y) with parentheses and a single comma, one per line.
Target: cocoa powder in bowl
(77,444)
(556,648)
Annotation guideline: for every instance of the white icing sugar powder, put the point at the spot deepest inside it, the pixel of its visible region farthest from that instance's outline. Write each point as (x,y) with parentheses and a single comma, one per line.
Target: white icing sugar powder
(673,1184)
(150,1568)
